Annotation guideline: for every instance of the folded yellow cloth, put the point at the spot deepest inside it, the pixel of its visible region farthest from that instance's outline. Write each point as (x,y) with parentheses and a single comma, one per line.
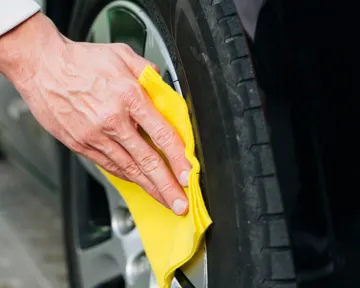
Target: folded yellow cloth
(169,240)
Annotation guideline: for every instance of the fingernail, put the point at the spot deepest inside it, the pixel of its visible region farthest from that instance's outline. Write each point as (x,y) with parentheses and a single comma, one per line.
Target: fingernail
(184,178)
(179,206)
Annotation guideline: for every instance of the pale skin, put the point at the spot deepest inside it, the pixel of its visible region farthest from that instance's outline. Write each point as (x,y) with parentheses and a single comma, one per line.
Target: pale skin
(87,96)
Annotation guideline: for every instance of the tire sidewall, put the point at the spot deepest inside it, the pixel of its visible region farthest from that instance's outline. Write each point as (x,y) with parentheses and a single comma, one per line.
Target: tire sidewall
(70,180)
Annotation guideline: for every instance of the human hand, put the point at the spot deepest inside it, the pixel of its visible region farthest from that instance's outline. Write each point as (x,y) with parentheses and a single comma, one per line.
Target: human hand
(87,96)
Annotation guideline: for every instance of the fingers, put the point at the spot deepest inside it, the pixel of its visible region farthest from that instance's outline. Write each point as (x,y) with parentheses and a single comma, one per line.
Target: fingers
(142,109)
(162,134)
(119,163)
(152,166)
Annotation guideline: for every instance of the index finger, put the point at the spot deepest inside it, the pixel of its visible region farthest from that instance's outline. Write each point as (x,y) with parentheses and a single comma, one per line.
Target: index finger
(164,136)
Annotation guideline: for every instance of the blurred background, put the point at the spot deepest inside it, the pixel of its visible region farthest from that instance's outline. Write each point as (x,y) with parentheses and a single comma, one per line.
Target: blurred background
(31,248)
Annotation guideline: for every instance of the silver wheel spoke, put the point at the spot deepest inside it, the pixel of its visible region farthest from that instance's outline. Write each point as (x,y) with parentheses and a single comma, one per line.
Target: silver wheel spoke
(153,52)
(196,269)
(101,263)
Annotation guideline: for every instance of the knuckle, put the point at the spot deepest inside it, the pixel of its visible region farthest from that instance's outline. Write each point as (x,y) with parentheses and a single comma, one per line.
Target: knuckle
(132,97)
(166,189)
(77,147)
(135,107)
(131,170)
(88,135)
(163,137)
(111,122)
(132,89)
(112,168)
(179,157)
(115,128)
(126,47)
(150,163)
(124,137)
(153,191)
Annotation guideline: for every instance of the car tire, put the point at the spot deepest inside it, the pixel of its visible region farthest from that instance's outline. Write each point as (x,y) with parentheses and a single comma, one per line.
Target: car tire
(248,244)
(70,179)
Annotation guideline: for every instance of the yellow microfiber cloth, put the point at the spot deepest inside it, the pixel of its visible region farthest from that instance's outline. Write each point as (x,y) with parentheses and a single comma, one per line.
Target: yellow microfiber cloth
(169,240)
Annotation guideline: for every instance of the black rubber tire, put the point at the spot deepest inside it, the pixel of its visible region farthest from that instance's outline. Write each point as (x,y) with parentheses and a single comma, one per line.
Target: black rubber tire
(72,176)
(248,244)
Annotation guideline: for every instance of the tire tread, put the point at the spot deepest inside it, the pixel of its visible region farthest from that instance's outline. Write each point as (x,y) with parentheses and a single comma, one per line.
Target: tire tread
(274,260)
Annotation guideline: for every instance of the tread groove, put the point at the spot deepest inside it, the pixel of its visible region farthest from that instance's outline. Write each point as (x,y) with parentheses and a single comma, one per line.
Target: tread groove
(271,217)
(276,249)
(245,80)
(232,38)
(279,281)
(238,59)
(265,176)
(226,17)
(258,144)
(251,109)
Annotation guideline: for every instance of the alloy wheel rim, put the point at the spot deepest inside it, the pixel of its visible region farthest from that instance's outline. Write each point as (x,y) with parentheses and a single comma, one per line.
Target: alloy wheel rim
(122,254)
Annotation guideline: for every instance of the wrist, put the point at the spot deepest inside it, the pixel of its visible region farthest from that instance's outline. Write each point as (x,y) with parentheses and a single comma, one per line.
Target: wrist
(24,48)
